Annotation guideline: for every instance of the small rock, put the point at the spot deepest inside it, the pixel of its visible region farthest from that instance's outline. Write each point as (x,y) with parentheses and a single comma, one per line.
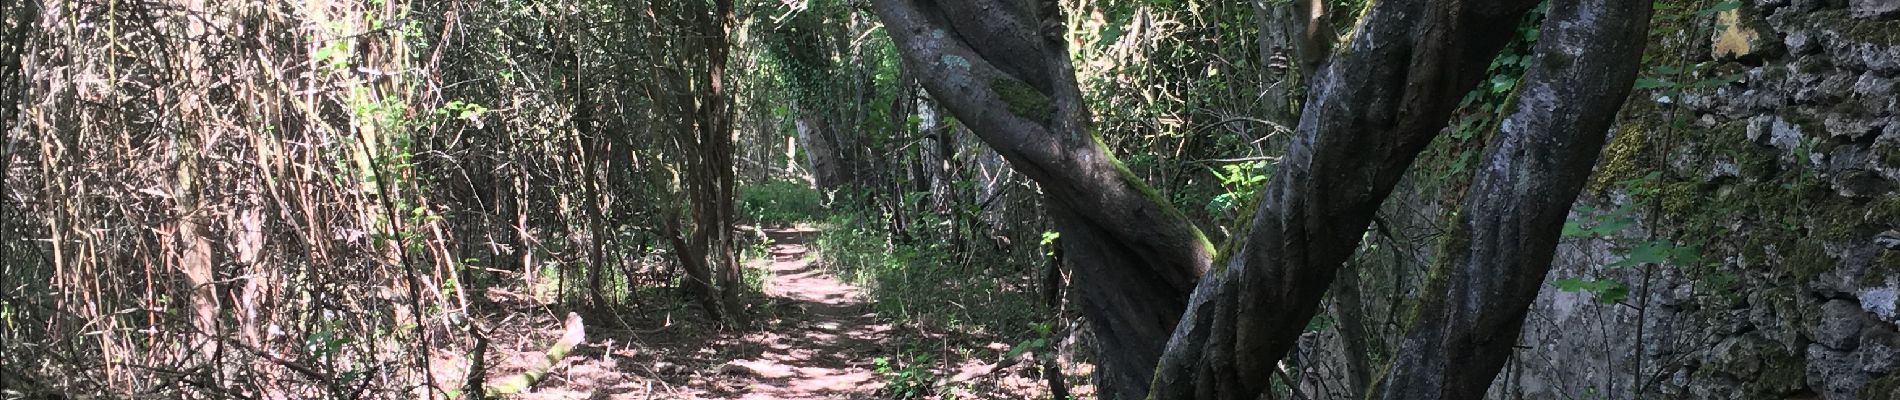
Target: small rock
(1859,183)
(1679,298)
(733,368)
(1784,135)
(1836,86)
(1800,42)
(1807,5)
(1738,356)
(1713,386)
(1879,352)
(667,368)
(1852,127)
(1873,85)
(1880,301)
(1723,168)
(1839,325)
(1889,240)
(1874,8)
(1833,374)
(1759,128)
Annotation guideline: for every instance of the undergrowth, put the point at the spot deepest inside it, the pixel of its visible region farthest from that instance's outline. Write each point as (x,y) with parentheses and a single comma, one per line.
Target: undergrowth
(921,283)
(779,203)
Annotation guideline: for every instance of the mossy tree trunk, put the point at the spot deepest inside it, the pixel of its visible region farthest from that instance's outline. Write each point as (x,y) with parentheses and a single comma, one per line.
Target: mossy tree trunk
(1134,256)
(1373,106)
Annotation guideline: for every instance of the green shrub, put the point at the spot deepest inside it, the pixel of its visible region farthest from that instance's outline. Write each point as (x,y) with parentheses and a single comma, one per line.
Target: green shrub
(779,203)
(923,283)
(903,379)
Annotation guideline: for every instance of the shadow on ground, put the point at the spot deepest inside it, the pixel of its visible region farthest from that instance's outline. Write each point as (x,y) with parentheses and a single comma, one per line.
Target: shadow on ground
(813,338)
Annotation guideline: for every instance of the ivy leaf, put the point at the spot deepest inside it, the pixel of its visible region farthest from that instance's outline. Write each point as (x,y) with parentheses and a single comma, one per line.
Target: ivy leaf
(1502,83)
(1606,291)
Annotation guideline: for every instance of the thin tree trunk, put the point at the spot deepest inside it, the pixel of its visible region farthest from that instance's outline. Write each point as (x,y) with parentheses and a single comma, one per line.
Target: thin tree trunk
(1053,291)
(719,135)
(698,282)
(1352,331)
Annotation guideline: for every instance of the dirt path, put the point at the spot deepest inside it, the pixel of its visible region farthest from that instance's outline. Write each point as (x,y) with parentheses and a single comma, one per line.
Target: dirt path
(824,350)
(814,339)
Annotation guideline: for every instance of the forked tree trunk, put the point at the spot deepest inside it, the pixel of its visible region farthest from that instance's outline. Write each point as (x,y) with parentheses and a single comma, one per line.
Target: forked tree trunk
(1134,256)
(1373,106)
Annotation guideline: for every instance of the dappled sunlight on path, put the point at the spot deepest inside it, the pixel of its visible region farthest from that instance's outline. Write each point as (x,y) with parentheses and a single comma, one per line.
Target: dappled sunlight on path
(816,340)
(814,337)
(825,351)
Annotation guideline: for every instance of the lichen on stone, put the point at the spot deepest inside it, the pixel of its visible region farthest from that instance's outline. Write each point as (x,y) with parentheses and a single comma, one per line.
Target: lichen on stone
(1742,35)
(1625,154)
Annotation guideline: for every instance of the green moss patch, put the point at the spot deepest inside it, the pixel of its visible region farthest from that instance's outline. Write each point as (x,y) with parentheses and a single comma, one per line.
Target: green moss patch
(1023,100)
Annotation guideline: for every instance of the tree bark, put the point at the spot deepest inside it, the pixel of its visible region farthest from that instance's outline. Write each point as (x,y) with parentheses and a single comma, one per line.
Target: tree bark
(821,153)
(697,91)
(1134,256)
(1371,109)
(717,132)
(1351,326)
(1463,332)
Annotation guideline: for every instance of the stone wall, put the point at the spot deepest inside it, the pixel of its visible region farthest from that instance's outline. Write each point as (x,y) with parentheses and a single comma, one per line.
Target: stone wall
(1778,162)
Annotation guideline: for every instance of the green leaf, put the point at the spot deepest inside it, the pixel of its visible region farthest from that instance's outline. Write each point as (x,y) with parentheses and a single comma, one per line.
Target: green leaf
(1650,252)
(1606,291)
(1614,294)
(1573,229)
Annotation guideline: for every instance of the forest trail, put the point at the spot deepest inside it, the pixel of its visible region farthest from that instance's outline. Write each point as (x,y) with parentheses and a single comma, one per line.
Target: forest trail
(822,349)
(815,340)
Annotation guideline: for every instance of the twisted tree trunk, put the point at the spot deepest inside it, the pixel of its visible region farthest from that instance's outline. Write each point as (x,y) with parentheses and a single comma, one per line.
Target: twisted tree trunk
(1135,257)
(1372,108)
(1501,247)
